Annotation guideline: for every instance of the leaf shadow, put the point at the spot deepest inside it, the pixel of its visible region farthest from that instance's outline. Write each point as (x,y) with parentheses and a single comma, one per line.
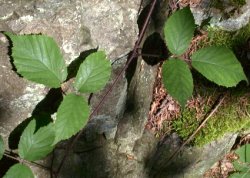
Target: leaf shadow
(42,114)
(5,164)
(154,49)
(10,54)
(74,65)
(49,105)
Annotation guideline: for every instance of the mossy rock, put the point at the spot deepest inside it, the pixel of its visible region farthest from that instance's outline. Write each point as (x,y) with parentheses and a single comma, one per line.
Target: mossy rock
(221,4)
(214,140)
(231,117)
(192,161)
(230,39)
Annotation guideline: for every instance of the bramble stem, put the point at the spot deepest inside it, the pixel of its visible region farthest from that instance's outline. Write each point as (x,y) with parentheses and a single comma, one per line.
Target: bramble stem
(10,155)
(133,56)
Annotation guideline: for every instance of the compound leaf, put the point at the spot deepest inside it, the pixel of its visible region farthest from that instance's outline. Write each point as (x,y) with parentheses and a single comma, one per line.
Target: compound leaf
(34,146)
(1,147)
(178,80)
(219,65)
(72,115)
(179,30)
(20,171)
(93,73)
(38,58)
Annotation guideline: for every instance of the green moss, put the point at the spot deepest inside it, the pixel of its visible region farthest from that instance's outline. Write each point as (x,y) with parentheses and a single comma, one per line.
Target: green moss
(219,4)
(186,124)
(231,117)
(227,120)
(241,36)
(238,3)
(219,37)
(232,40)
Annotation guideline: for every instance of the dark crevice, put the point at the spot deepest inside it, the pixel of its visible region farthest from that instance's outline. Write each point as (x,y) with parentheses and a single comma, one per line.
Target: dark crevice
(154,49)
(10,54)
(42,114)
(130,71)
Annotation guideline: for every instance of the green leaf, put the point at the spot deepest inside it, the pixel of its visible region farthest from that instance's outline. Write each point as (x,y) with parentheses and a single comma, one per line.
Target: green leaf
(240,175)
(93,73)
(34,146)
(179,30)
(19,171)
(38,58)
(241,166)
(72,115)
(219,65)
(1,147)
(42,119)
(178,80)
(244,153)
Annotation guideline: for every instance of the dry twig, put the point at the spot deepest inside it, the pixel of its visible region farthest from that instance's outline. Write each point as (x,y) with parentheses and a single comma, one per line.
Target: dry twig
(211,113)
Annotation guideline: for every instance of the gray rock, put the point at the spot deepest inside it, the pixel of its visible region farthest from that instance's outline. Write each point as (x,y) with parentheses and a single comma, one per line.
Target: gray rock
(191,161)
(124,155)
(236,22)
(114,143)
(76,26)
(230,22)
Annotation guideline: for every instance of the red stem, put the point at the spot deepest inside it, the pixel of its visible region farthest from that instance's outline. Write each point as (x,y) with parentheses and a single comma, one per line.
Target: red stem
(134,55)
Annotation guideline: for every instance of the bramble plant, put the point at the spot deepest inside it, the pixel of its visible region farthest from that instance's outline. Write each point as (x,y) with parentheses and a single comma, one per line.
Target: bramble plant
(38,59)
(217,63)
(242,165)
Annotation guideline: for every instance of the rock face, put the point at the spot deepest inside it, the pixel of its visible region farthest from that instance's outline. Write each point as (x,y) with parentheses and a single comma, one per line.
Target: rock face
(224,14)
(191,161)
(76,26)
(114,143)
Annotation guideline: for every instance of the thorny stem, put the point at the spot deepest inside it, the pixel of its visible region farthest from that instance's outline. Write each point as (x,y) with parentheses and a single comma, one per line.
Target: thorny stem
(133,55)
(9,155)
